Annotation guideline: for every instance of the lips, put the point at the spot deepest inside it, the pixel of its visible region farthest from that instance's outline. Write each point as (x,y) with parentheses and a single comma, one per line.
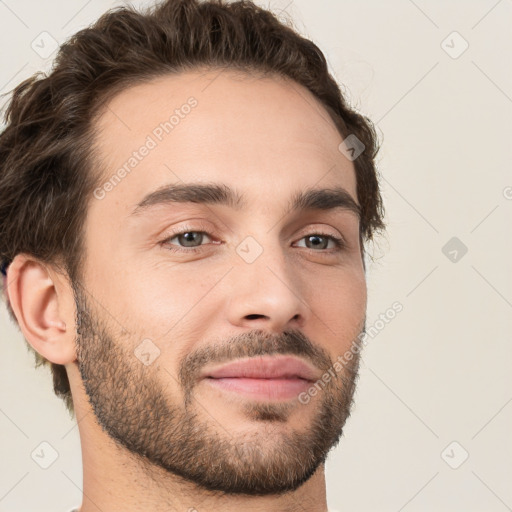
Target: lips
(265,367)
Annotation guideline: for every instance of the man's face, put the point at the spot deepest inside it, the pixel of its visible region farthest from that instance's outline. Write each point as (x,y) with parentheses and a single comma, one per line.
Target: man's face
(157,312)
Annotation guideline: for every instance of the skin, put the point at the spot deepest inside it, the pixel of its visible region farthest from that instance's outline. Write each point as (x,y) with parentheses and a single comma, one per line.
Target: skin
(158,437)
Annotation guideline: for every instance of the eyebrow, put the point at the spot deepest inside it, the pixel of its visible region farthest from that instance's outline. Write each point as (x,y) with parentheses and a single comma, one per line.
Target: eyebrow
(220,194)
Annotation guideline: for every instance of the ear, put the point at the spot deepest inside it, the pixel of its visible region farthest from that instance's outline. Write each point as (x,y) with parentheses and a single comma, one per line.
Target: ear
(44,306)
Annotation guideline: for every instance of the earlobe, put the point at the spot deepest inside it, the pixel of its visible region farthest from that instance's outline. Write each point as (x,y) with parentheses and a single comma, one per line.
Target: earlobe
(41,307)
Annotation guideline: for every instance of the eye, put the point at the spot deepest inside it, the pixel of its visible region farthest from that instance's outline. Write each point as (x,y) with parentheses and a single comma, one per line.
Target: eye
(189,240)
(319,241)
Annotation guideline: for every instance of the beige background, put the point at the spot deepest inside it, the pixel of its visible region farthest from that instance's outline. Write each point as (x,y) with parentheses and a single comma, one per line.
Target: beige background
(439,372)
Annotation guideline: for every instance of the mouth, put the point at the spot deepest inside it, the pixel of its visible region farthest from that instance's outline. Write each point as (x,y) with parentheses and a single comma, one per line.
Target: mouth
(265,378)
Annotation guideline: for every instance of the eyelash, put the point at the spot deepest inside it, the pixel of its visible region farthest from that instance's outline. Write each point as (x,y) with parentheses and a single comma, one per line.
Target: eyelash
(339,243)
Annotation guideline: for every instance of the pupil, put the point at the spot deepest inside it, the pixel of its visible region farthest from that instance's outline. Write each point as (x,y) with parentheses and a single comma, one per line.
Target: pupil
(317,238)
(189,237)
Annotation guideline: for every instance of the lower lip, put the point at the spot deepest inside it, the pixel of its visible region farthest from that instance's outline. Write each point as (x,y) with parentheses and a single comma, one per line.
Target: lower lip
(266,389)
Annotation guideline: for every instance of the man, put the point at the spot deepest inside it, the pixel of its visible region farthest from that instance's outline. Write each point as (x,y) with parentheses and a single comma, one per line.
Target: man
(184,203)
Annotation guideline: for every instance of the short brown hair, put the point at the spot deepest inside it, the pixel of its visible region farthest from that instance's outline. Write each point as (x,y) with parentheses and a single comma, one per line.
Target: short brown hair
(46,148)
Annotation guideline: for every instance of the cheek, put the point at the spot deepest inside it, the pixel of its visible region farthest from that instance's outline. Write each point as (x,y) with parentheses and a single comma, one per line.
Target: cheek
(160,301)
(339,301)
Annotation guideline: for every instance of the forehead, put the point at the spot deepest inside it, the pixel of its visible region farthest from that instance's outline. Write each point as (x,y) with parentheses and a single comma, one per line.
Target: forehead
(267,136)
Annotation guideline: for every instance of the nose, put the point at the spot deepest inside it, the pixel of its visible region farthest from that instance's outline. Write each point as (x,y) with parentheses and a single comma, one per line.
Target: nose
(267,294)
